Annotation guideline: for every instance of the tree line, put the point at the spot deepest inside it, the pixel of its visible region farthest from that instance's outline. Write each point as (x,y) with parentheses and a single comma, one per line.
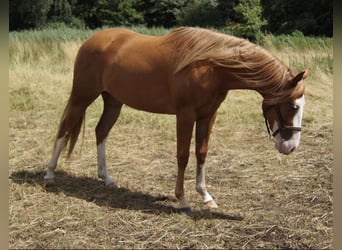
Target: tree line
(248,18)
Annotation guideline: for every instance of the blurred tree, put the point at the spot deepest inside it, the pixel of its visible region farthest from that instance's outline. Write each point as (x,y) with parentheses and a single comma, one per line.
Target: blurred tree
(312,17)
(87,11)
(248,20)
(118,12)
(60,11)
(203,13)
(161,12)
(61,14)
(28,14)
(245,17)
(323,14)
(226,9)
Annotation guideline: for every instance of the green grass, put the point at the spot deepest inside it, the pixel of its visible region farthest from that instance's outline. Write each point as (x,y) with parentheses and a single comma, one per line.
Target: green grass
(49,41)
(298,51)
(266,200)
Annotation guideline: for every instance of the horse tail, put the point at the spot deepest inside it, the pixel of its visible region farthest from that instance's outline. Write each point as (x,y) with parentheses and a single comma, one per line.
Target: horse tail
(70,126)
(75,131)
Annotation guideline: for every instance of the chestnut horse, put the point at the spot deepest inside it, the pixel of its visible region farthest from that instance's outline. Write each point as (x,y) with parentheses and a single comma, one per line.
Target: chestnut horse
(188,73)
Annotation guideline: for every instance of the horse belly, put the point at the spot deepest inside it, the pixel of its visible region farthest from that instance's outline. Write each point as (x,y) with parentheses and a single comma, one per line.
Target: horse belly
(146,92)
(147,101)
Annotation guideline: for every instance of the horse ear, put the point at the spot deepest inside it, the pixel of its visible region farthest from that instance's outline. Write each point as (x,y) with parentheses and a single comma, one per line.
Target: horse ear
(300,76)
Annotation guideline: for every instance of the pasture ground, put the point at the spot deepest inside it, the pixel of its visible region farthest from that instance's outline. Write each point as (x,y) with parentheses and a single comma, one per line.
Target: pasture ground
(266,200)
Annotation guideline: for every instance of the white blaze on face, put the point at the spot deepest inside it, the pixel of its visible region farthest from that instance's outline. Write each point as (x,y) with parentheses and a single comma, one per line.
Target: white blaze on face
(286,147)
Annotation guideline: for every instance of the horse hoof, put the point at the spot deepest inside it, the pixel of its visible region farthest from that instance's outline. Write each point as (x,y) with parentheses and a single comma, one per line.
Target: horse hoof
(49,181)
(184,210)
(211,204)
(111,185)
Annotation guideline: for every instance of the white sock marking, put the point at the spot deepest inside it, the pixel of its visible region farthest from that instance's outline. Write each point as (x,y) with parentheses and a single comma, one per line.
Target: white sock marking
(101,163)
(53,162)
(201,185)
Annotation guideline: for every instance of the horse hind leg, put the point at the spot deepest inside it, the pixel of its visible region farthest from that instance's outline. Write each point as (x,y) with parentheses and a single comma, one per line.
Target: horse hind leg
(59,145)
(69,129)
(111,112)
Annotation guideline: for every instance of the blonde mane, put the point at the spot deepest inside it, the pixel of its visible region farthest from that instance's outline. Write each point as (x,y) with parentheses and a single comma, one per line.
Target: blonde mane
(251,64)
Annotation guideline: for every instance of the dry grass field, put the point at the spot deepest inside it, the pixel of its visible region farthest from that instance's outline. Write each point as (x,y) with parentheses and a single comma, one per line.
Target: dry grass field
(266,200)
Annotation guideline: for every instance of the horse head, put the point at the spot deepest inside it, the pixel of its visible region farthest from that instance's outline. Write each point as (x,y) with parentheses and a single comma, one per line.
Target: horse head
(284,119)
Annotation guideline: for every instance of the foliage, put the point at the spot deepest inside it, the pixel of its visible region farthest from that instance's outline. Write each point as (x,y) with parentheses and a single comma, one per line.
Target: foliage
(28,14)
(249,13)
(312,17)
(60,11)
(161,12)
(200,13)
(118,12)
(247,18)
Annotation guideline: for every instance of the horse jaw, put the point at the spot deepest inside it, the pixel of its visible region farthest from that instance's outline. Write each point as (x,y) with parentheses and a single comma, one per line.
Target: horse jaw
(288,146)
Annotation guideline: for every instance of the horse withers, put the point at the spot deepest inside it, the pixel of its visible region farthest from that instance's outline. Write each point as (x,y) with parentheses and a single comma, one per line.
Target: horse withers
(188,73)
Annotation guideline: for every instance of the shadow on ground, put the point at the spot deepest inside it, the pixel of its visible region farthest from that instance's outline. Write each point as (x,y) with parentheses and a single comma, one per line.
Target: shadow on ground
(93,190)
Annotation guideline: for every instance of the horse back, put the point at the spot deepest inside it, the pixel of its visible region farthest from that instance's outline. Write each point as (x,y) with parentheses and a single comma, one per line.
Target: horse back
(137,71)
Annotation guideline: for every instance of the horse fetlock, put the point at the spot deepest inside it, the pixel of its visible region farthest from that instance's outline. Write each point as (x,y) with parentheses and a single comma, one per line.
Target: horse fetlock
(201,189)
(183,204)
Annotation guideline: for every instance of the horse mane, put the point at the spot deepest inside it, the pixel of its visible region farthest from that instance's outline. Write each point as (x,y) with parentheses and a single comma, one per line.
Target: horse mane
(251,64)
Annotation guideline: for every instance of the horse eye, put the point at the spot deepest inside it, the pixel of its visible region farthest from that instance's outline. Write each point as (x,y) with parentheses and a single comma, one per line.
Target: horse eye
(294,107)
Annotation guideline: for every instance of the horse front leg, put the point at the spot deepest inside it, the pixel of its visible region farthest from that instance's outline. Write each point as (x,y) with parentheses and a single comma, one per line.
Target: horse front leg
(185,123)
(203,129)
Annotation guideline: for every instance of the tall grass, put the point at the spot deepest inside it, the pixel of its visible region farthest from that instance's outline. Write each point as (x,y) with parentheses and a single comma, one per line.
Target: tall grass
(49,41)
(298,51)
(34,45)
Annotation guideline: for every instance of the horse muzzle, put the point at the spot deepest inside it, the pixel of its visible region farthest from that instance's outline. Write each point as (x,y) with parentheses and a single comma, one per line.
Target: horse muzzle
(287,146)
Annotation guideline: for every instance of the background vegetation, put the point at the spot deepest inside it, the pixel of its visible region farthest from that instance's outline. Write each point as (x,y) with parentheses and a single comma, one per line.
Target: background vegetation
(247,18)
(266,200)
